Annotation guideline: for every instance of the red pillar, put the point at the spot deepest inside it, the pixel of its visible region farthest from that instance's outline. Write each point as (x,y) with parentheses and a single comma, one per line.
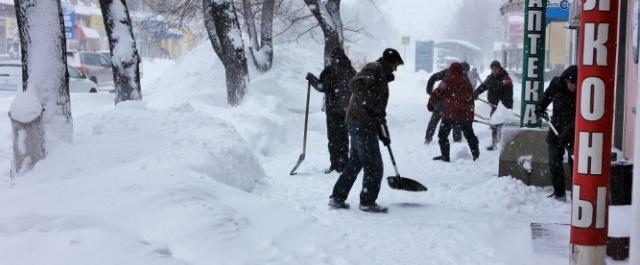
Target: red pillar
(593,135)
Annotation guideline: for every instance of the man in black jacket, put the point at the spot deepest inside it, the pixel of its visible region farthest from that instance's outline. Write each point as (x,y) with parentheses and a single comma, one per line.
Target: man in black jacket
(500,88)
(366,121)
(334,83)
(436,115)
(562,94)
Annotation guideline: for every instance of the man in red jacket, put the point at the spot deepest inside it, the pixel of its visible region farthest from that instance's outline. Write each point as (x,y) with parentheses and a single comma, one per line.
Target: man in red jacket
(456,96)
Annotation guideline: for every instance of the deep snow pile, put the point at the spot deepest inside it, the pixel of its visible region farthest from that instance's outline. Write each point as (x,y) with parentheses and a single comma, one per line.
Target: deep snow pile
(180,178)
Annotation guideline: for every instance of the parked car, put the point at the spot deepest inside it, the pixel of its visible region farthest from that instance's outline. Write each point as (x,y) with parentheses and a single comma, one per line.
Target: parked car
(11,78)
(79,82)
(107,55)
(94,65)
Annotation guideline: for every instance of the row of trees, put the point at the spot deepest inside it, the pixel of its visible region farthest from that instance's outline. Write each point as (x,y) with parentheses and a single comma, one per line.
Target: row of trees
(46,80)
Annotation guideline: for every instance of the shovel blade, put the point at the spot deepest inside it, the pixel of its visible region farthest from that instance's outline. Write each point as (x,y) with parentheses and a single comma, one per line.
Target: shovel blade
(300,159)
(400,183)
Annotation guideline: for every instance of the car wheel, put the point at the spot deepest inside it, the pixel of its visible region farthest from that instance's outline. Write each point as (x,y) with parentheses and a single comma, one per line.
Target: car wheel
(93,90)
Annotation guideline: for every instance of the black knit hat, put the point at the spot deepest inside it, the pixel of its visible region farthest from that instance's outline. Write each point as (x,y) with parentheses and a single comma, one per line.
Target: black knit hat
(495,63)
(570,74)
(392,56)
(465,66)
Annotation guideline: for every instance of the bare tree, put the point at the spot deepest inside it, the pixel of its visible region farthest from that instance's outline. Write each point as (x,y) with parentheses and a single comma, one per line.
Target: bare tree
(327,13)
(262,49)
(224,32)
(45,83)
(484,29)
(175,14)
(125,59)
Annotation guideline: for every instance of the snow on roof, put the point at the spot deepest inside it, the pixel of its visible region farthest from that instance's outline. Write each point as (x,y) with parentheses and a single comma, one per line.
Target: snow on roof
(87,10)
(461,42)
(90,33)
(516,19)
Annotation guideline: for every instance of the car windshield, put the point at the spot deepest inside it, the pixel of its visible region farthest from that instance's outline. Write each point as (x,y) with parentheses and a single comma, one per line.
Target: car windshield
(10,70)
(91,58)
(73,73)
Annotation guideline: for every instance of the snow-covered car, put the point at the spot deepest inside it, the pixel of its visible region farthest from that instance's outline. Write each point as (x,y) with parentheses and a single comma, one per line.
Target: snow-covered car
(11,78)
(94,65)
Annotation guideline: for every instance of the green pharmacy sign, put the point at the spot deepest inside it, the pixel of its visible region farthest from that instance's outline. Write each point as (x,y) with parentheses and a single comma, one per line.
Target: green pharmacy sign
(533,61)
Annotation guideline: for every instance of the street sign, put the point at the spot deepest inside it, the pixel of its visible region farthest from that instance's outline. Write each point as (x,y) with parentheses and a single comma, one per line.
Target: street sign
(424,56)
(595,91)
(69,16)
(558,10)
(406,40)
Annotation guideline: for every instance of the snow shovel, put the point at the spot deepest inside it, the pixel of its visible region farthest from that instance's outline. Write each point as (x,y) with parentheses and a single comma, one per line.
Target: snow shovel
(494,106)
(397,182)
(553,128)
(484,122)
(304,141)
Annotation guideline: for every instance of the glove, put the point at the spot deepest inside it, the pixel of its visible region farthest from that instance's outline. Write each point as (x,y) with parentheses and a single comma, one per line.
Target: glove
(541,113)
(310,77)
(383,134)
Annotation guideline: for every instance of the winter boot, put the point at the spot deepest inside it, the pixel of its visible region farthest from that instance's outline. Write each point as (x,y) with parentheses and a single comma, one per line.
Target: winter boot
(373,208)
(444,153)
(338,204)
(558,197)
(494,138)
(475,151)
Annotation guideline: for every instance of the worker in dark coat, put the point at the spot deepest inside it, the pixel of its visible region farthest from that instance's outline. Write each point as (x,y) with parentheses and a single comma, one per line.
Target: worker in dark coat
(455,95)
(500,88)
(436,115)
(334,83)
(562,94)
(367,123)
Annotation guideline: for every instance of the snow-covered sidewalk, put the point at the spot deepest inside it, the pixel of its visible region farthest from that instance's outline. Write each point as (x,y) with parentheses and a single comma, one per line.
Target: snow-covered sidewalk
(180,178)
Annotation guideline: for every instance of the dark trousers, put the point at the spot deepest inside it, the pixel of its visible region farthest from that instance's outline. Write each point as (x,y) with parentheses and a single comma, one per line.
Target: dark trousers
(496,131)
(436,116)
(364,154)
(466,127)
(338,140)
(556,161)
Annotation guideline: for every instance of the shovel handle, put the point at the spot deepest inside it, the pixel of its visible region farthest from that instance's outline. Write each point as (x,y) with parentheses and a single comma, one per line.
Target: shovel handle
(393,161)
(306,119)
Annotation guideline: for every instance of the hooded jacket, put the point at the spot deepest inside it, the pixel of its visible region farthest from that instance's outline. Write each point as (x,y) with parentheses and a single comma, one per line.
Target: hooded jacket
(456,95)
(500,89)
(334,83)
(564,107)
(370,95)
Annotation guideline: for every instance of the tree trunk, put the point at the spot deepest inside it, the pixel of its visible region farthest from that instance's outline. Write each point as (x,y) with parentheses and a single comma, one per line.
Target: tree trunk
(266,33)
(28,133)
(224,32)
(125,60)
(261,52)
(327,13)
(44,65)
